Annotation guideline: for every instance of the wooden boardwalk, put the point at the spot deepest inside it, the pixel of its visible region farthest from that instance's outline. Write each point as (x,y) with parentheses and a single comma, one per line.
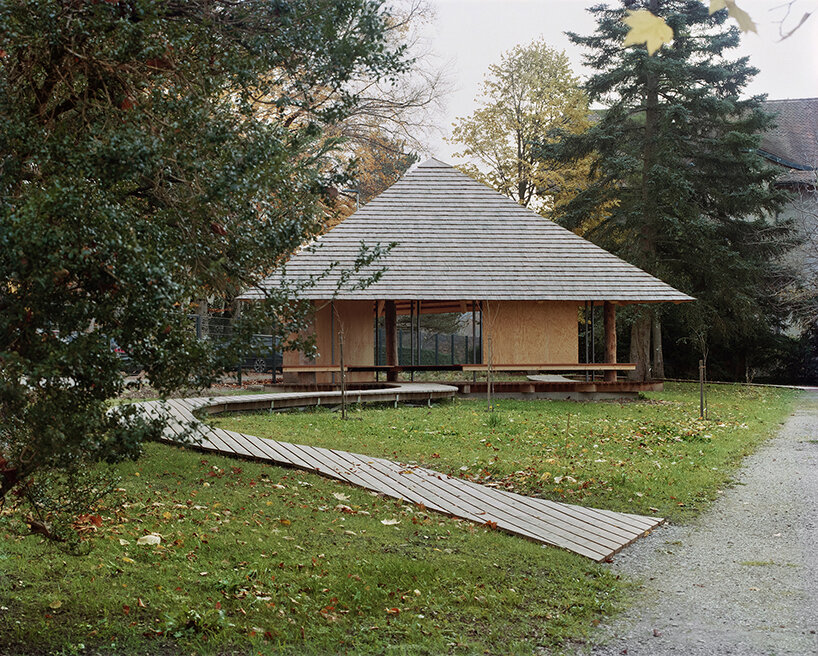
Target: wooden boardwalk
(597,534)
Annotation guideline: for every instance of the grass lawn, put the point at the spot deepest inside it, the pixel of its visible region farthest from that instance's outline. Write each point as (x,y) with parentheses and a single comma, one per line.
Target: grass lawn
(259,559)
(652,456)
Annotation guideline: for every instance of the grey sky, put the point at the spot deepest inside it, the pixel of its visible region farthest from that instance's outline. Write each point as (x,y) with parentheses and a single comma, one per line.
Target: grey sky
(469,35)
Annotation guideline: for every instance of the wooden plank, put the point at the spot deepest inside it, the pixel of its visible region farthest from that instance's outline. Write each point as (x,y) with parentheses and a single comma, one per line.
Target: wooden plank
(386,485)
(247,447)
(280,455)
(183,412)
(597,534)
(622,366)
(488,507)
(543,516)
(587,515)
(312,368)
(465,507)
(333,466)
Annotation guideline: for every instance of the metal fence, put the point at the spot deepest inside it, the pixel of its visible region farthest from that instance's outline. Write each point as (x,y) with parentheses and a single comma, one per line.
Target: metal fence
(433,348)
(260,357)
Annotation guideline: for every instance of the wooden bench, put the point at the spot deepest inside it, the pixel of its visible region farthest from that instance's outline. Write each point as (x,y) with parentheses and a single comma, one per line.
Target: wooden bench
(313,368)
(595,366)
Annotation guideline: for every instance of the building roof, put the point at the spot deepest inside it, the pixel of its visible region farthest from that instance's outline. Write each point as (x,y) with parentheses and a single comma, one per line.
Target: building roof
(459,240)
(793,143)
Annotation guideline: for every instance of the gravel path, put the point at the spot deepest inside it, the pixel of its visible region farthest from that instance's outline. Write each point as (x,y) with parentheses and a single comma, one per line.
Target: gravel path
(743,578)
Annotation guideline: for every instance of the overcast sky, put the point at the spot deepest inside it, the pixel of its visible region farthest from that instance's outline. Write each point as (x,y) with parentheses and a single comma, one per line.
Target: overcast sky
(469,35)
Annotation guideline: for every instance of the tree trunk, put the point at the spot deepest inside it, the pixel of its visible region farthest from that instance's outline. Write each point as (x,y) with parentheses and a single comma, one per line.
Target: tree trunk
(644,325)
(640,347)
(658,358)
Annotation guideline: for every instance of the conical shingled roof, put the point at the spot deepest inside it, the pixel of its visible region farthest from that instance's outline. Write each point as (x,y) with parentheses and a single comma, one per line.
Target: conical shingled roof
(458,239)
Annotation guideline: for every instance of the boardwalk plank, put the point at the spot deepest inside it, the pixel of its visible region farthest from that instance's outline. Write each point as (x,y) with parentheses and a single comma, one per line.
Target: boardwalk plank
(597,534)
(453,493)
(565,525)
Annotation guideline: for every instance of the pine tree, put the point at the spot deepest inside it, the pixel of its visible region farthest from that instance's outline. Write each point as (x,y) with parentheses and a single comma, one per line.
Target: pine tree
(683,192)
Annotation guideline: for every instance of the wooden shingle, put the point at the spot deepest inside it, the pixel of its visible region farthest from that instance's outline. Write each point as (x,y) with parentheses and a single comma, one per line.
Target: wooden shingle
(458,239)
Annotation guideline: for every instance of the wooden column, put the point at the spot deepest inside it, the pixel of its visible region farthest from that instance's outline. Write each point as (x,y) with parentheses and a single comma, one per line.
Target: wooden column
(390,321)
(610,339)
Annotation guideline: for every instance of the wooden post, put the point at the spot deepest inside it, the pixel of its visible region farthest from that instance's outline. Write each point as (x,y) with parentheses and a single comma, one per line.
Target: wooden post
(343,373)
(377,343)
(489,378)
(610,339)
(236,315)
(585,337)
(332,338)
(411,340)
(390,321)
(473,341)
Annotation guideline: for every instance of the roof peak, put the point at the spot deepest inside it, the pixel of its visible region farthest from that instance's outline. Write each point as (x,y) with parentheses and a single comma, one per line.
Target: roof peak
(434,163)
(788,100)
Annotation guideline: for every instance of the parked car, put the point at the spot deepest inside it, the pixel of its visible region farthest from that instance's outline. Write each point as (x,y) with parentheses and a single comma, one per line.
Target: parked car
(126,363)
(262,358)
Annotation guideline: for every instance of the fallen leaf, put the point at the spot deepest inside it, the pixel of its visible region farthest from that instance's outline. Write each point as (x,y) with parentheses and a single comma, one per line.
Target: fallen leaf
(745,22)
(54,605)
(149,539)
(390,522)
(125,559)
(340,496)
(123,542)
(393,611)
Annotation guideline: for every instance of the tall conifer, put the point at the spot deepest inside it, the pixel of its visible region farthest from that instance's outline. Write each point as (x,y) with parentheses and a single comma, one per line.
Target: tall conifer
(677,181)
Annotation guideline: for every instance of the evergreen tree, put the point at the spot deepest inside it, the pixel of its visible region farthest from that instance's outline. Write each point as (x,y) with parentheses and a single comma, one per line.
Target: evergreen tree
(137,174)
(675,174)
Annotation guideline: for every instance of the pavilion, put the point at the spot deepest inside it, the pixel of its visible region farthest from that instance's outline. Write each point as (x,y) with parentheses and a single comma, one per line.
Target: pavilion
(460,246)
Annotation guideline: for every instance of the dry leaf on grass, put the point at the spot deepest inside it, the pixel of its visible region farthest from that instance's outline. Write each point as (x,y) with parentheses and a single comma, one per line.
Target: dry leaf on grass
(151,539)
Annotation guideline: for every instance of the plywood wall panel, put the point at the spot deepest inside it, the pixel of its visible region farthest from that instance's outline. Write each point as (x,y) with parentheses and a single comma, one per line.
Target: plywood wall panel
(357,320)
(526,332)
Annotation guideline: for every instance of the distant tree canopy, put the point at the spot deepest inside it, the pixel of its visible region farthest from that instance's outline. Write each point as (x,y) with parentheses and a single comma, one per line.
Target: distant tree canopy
(530,92)
(684,193)
(137,175)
